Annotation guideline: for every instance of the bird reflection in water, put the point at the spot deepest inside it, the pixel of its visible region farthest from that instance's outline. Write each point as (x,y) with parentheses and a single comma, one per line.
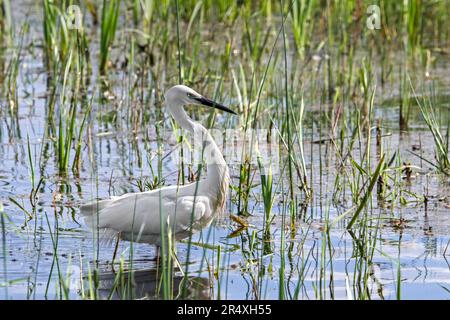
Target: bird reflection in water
(146,284)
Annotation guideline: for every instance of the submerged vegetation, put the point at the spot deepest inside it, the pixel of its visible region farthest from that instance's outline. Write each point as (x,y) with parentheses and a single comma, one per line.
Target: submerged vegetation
(339,162)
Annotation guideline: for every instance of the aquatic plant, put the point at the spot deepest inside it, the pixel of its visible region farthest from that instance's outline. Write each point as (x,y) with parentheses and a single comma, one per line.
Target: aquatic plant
(110,16)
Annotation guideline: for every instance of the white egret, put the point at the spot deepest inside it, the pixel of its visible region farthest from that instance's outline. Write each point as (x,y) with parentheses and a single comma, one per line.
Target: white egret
(189,208)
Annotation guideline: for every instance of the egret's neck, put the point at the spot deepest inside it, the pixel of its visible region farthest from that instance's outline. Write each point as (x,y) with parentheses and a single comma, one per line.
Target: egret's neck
(217,177)
(181,117)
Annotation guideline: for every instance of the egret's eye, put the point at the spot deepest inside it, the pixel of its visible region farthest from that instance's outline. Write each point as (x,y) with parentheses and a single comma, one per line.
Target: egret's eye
(190,95)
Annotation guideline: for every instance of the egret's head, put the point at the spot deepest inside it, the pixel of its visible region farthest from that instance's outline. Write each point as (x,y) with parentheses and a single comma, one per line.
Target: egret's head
(180,95)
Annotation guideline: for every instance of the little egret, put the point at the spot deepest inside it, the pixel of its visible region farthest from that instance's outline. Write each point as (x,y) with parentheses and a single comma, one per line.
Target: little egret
(184,209)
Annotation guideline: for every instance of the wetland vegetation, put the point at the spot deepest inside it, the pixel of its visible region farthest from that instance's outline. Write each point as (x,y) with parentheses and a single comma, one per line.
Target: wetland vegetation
(339,155)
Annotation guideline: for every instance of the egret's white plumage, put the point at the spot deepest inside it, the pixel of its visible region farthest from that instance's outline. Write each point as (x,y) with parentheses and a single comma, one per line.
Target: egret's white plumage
(136,216)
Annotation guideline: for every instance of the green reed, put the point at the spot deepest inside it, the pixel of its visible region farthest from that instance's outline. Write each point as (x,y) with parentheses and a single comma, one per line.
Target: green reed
(109,19)
(441,141)
(57,35)
(302,13)
(6,25)
(413,24)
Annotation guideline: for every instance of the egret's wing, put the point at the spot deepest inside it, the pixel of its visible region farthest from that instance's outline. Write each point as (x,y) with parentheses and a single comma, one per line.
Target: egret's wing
(140,213)
(131,212)
(191,211)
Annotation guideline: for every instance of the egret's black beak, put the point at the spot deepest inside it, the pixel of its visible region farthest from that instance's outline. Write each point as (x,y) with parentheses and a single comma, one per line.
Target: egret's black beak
(209,103)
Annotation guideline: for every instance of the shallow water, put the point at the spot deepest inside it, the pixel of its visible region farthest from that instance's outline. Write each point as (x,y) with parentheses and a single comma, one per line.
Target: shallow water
(422,243)
(412,246)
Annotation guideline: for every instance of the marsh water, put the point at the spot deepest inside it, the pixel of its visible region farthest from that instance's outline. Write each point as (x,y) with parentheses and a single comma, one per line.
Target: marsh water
(46,243)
